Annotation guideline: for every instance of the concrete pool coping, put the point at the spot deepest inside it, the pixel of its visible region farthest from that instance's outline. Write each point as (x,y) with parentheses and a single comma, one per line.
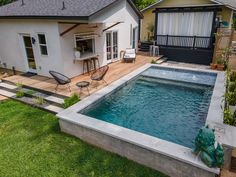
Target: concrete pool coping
(163,147)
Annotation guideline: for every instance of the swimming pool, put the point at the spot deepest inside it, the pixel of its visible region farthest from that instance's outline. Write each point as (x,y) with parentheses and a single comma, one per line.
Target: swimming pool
(151,116)
(167,109)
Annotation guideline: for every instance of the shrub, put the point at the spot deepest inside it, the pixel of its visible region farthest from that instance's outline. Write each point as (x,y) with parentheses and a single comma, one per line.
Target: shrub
(234,23)
(39,101)
(231,98)
(19,86)
(229,118)
(20,94)
(220,61)
(153,62)
(233,76)
(232,86)
(30,92)
(73,99)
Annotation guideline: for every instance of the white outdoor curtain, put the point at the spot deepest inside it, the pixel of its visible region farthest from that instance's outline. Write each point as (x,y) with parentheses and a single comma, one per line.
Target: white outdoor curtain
(185,24)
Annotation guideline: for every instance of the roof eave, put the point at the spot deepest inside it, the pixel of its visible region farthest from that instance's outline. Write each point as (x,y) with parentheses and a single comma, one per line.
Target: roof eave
(82,18)
(215,1)
(140,15)
(152,5)
(136,9)
(229,6)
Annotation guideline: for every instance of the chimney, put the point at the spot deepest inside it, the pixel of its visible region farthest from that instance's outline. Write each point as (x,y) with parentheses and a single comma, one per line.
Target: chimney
(63,5)
(22,3)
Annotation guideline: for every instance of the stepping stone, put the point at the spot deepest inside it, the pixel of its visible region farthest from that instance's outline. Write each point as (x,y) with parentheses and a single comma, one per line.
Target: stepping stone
(8,86)
(2,98)
(54,99)
(6,93)
(53,108)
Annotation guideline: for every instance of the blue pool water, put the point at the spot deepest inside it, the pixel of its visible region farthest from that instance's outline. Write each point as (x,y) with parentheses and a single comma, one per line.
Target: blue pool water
(170,110)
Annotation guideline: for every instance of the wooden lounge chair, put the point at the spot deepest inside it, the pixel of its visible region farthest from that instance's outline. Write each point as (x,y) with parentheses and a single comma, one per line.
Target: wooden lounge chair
(130,55)
(61,79)
(99,74)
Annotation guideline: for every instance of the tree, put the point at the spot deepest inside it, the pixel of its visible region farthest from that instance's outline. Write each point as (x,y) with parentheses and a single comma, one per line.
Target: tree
(3,2)
(141,4)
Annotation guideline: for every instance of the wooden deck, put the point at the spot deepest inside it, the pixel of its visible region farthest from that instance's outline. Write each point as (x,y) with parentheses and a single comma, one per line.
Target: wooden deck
(115,72)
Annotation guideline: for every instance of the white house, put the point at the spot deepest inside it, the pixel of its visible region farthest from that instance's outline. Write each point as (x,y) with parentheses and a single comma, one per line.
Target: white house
(41,35)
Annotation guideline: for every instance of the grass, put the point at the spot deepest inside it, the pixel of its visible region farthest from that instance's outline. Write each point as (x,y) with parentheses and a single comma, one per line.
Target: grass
(31,144)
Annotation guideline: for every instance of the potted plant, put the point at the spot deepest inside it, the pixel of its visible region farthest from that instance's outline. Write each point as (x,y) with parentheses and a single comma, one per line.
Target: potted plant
(220,65)
(213,66)
(77,52)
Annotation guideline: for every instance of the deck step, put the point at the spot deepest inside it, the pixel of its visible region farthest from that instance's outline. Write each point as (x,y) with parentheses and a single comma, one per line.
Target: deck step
(8,86)
(162,60)
(53,108)
(51,99)
(54,99)
(7,93)
(35,89)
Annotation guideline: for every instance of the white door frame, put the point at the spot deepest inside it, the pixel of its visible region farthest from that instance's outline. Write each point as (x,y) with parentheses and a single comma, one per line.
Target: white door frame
(28,69)
(112,46)
(135,38)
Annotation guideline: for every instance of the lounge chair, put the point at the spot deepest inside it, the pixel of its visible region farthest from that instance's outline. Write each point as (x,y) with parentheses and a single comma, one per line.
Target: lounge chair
(61,79)
(99,74)
(130,55)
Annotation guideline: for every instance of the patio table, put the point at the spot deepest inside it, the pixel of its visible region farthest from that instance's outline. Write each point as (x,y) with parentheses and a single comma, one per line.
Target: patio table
(83,84)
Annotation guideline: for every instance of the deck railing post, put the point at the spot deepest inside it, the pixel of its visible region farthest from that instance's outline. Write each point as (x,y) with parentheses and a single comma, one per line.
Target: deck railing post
(167,36)
(194,41)
(156,39)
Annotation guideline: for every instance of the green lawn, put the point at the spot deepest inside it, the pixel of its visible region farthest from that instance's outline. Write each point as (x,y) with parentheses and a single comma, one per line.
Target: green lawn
(31,144)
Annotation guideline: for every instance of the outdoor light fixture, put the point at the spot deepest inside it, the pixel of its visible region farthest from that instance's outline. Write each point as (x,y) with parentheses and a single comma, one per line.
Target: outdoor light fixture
(33,40)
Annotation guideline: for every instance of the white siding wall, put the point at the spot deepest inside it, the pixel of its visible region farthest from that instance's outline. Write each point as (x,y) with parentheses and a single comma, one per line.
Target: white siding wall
(61,49)
(73,68)
(121,12)
(12,50)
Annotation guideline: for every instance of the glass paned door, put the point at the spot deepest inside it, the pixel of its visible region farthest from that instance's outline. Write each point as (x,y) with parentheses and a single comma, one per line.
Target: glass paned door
(29,53)
(109,48)
(135,38)
(115,45)
(112,45)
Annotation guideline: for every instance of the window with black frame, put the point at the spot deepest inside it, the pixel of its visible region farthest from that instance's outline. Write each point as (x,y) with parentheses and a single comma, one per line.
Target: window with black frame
(43,44)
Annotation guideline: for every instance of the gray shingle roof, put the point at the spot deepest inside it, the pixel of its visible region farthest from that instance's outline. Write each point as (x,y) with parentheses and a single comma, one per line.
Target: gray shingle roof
(231,3)
(53,8)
